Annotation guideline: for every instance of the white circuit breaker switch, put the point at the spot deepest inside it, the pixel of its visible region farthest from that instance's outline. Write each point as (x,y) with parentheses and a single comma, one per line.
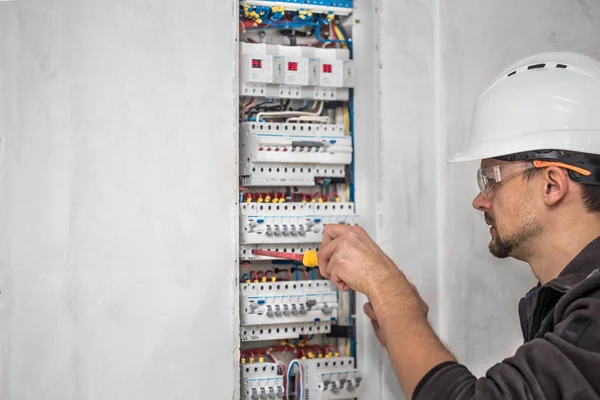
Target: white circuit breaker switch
(348,78)
(331,379)
(261,381)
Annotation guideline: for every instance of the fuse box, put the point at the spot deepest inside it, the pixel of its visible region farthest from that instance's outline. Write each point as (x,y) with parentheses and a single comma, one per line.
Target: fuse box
(296,167)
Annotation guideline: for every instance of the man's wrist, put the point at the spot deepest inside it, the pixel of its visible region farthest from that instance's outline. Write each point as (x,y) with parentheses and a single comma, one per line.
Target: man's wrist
(393,285)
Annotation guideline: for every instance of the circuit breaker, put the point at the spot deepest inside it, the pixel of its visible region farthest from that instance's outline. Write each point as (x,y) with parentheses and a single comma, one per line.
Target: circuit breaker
(290,72)
(292,222)
(261,381)
(331,379)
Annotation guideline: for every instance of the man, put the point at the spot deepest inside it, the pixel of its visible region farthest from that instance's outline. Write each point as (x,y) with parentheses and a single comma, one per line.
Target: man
(537,131)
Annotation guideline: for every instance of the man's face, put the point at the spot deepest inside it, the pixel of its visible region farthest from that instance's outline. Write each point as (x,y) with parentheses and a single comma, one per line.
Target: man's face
(510,210)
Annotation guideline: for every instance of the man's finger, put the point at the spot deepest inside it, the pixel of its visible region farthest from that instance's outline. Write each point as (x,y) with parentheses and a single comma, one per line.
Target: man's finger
(340,284)
(370,311)
(332,232)
(324,255)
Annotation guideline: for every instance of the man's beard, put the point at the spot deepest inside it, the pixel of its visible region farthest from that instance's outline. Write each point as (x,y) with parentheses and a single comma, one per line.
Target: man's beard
(504,246)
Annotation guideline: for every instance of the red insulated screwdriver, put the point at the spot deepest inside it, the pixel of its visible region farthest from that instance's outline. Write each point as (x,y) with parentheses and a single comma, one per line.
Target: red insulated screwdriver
(308,259)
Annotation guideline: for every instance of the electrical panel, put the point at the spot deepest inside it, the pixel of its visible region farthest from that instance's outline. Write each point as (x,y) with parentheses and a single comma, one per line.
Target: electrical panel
(261,381)
(296,163)
(331,379)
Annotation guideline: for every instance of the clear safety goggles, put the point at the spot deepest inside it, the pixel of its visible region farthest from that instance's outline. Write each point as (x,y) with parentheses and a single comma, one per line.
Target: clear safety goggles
(489,177)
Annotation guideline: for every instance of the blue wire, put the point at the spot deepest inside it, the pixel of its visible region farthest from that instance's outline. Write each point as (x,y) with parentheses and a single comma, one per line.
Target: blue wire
(305,107)
(351,107)
(245,275)
(297,273)
(299,393)
(313,274)
(352,344)
(262,104)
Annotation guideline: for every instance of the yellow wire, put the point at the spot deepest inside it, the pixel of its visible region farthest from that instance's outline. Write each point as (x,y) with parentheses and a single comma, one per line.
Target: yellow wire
(347,121)
(339,35)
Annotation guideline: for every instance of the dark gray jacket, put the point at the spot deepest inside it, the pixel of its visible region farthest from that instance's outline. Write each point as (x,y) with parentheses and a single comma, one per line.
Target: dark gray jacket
(560,358)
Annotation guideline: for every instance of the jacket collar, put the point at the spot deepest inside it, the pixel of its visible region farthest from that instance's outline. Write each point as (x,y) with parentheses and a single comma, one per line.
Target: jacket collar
(579,268)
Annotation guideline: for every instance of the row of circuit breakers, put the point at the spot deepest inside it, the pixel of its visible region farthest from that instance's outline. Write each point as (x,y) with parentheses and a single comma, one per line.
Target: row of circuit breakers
(293,72)
(279,154)
(323,379)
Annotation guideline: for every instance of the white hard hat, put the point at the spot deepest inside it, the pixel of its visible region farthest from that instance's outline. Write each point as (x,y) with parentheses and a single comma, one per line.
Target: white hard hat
(547,101)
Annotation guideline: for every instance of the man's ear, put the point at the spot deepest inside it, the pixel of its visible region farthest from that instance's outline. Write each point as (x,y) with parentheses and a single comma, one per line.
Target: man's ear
(556,184)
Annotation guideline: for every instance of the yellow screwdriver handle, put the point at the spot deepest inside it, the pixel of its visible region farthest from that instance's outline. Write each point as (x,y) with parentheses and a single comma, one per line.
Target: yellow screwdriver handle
(310,259)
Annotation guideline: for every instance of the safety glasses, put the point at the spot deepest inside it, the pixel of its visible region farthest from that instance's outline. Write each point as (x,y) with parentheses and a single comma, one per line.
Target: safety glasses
(489,177)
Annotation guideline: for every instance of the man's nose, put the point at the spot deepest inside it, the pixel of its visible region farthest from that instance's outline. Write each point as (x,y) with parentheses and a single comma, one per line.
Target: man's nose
(481,203)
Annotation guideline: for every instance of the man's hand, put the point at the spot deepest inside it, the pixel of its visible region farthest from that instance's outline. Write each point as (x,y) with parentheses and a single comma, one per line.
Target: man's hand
(352,260)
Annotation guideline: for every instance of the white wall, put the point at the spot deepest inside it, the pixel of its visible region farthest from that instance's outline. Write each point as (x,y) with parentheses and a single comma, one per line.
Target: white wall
(436,57)
(117,193)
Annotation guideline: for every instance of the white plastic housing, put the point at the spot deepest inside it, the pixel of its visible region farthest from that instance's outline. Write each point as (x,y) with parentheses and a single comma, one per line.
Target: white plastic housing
(293,223)
(331,378)
(272,174)
(295,143)
(291,70)
(288,72)
(256,68)
(349,74)
(287,302)
(261,381)
(326,73)
(252,333)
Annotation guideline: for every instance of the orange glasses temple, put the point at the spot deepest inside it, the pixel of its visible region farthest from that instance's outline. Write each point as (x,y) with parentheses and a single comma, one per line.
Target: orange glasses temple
(544,164)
